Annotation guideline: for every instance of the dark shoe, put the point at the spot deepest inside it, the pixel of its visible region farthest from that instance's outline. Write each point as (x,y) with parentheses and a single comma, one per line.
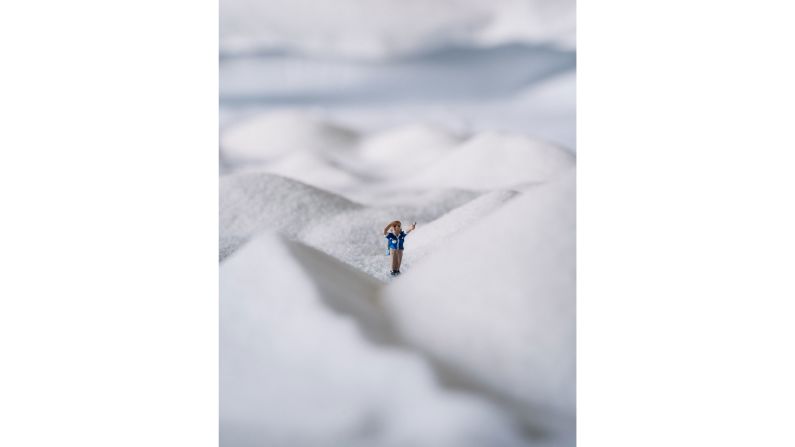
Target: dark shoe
(393,272)
(397,272)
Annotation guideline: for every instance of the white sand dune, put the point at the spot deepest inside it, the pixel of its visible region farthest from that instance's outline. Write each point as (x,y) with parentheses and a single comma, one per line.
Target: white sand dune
(472,165)
(473,345)
(400,152)
(447,230)
(500,308)
(266,137)
(282,384)
(316,170)
(416,157)
(252,202)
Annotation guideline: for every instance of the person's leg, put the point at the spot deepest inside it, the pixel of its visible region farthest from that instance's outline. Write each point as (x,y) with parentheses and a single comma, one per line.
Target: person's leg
(395,260)
(400,259)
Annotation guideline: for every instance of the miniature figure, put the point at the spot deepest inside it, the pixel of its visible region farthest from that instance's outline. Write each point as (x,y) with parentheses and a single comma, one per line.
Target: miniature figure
(394,239)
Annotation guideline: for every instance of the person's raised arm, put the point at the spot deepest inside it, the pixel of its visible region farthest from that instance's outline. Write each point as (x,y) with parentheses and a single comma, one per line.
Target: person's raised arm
(413,226)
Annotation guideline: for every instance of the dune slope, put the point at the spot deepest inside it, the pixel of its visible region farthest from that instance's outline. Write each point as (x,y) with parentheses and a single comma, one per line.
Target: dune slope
(501,308)
(294,372)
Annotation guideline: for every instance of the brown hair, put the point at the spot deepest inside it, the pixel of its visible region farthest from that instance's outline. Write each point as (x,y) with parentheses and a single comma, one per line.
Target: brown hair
(391,224)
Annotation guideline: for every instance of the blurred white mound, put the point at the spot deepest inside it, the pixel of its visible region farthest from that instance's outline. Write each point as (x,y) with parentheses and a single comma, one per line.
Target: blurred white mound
(532,21)
(253,201)
(403,150)
(314,169)
(498,304)
(495,161)
(409,158)
(294,372)
(380,29)
(266,137)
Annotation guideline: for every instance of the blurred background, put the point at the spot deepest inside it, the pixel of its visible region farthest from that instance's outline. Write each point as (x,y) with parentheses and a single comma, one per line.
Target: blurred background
(462,65)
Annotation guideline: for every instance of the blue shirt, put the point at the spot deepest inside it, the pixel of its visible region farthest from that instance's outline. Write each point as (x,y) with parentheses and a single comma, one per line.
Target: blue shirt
(396,242)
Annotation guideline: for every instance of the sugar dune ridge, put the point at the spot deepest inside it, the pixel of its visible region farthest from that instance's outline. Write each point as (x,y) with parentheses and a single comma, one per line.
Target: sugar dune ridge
(251,203)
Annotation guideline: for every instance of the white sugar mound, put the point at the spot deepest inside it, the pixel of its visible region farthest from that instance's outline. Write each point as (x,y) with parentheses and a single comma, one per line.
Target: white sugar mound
(315,170)
(493,160)
(294,372)
(254,201)
(448,229)
(410,158)
(402,151)
(500,306)
(266,137)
